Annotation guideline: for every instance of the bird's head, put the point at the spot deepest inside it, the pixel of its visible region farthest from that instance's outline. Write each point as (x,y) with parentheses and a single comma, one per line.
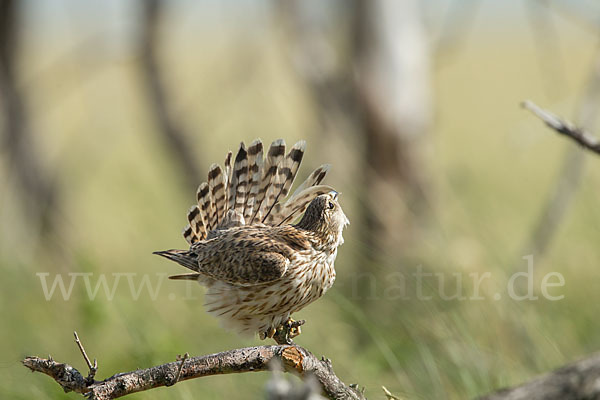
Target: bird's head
(325,217)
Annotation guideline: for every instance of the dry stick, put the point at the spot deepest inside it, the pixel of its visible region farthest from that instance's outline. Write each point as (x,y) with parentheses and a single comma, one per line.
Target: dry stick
(583,138)
(250,359)
(92,368)
(389,394)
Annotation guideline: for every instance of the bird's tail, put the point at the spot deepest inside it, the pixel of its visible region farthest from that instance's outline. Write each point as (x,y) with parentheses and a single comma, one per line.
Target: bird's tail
(253,190)
(183,257)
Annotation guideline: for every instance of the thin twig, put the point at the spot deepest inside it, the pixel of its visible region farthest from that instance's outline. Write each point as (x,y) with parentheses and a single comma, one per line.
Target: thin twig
(92,368)
(389,394)
(250,359)
(564,127)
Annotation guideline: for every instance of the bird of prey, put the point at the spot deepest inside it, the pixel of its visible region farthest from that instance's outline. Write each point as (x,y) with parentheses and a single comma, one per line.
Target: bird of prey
(259,267)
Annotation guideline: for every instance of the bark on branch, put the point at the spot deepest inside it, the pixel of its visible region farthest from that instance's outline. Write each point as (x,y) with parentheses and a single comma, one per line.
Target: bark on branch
(250,359)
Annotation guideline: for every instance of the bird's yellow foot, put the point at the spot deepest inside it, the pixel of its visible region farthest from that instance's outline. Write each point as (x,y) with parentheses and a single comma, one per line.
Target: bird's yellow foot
(288,330)
(295,329)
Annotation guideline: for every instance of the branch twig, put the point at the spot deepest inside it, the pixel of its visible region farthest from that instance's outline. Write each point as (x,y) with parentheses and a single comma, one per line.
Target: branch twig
(92,368)
(582,137)
(250,359)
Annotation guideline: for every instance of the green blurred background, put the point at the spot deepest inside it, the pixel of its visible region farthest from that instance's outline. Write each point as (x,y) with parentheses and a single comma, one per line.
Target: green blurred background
(231,72)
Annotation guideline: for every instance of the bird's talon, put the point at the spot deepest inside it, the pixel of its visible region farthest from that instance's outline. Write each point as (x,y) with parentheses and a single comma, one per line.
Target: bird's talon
(295,332)
(298,323)
(288,330)
(295,329)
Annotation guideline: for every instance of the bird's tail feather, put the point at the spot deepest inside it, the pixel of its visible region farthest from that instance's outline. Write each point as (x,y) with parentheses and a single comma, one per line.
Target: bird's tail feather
(254,189)
(185,277)
(182,257)
(274,156)
(255,170)
(283,178)
(239,182)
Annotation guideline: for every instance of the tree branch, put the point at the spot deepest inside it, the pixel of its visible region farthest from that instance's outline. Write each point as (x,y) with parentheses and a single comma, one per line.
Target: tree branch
(582,137)
(580,380)
(250,359)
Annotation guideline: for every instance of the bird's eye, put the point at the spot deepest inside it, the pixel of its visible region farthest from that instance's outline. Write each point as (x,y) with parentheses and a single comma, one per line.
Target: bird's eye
(331,205)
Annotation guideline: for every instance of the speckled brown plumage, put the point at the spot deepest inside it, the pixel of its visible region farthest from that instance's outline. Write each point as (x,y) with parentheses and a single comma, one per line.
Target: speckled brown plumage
(257,268)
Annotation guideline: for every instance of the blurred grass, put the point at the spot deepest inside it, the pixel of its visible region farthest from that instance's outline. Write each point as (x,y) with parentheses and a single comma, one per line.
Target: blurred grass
(493,166)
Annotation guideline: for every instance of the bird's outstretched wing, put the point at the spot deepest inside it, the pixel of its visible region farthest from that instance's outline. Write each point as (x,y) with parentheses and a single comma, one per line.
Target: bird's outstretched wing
(253,190)
(242,256)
